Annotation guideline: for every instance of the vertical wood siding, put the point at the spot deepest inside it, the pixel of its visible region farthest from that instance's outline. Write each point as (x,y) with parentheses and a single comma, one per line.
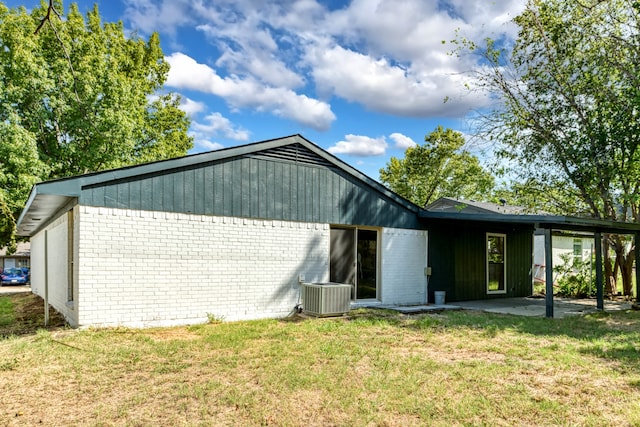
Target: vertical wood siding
(254,187)
(457,253)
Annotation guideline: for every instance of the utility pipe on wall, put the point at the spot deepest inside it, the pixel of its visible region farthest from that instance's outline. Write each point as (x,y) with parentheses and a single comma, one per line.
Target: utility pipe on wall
(427,270)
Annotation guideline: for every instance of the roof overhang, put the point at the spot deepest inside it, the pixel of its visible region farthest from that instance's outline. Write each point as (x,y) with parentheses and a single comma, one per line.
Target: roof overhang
(553,222)
(42,209)
(45,201)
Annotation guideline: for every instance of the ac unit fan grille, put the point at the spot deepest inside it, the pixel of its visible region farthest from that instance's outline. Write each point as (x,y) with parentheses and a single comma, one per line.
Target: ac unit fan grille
(326,299)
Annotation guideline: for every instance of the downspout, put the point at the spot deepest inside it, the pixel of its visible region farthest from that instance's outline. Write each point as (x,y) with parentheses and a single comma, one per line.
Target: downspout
(427,269)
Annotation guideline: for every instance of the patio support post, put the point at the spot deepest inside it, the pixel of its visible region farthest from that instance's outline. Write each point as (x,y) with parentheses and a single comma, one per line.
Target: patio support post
(599,279)
(46,278)
(548,270)
(637,255)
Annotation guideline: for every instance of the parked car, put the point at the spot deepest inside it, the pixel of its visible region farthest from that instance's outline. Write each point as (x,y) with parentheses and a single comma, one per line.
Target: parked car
(27,271)
(14,276)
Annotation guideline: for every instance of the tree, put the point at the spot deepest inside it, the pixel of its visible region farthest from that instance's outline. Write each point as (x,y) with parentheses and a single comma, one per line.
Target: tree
(76,97)
(19,170)
(441,167)
(569,98)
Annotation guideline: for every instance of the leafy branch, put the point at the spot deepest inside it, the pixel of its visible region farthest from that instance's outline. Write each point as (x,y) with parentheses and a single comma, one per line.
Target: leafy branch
(47,18)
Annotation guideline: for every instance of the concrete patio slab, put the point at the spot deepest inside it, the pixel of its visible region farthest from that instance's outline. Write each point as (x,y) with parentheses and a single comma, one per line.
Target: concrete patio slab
(536,307)
(531,307)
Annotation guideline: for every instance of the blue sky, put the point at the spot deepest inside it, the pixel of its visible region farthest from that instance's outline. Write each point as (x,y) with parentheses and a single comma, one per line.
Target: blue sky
(363,79)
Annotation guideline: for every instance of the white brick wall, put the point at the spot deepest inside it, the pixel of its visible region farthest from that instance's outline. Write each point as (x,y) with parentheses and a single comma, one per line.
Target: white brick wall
(140,268)
(404,258)
(56,282)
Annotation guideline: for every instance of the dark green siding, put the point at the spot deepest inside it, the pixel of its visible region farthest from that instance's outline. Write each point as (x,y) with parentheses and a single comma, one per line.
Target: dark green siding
(457,254)
(257,187)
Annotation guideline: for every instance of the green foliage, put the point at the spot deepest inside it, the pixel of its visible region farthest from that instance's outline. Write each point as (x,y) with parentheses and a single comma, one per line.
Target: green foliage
(439,168)
(538,196)
(575,277)
(214,318)
(19,170)
(7,315)
(76,97)
(569,99)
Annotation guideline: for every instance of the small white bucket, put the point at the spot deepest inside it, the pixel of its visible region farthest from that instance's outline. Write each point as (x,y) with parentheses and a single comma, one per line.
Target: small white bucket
(439,297)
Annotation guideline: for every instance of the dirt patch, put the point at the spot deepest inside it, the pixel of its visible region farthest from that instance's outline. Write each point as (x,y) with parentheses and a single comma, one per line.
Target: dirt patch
(29,316)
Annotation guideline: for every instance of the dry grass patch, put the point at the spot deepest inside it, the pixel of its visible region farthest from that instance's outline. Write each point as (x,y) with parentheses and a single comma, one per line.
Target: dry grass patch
(373,368)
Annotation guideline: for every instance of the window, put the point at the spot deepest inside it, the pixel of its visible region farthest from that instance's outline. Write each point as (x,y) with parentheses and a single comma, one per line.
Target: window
(496,263)
(577,249)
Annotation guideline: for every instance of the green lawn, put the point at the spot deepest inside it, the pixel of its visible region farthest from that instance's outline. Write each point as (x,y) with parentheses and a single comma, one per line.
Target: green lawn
(372,368)
(7,315)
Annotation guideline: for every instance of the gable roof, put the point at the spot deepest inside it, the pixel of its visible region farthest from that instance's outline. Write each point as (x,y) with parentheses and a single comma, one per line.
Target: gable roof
(48,199)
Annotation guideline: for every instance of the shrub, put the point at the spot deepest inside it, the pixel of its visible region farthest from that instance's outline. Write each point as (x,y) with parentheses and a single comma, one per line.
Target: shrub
(575,277)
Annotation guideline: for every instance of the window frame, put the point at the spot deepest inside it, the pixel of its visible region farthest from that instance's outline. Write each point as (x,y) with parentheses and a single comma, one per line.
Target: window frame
(504,263)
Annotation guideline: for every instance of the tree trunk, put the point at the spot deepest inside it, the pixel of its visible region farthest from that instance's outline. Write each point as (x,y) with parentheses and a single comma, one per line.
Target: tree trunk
(616,268)
(624,261)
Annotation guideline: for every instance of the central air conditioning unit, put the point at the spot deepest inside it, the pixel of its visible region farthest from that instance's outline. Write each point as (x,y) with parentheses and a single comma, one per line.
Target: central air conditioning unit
(326,299)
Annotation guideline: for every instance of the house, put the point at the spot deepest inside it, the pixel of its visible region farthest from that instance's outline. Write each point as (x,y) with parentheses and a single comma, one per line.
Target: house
(233,233)
(567,247)
(229,233)
(470,239)
(20,258)
(478,260)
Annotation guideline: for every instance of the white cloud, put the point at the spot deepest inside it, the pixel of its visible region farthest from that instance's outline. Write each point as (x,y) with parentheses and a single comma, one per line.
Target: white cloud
(219,125)
(260,65)
(214,126)
(402,141)
(192,107)
(202,145)
(288,58)
(164,16)
(248,49)
(382,86)
(359,145)
(389,56)
(186,73)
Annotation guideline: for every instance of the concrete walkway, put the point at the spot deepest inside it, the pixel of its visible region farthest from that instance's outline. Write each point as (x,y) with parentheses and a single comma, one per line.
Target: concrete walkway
(533,307)
(14,289)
